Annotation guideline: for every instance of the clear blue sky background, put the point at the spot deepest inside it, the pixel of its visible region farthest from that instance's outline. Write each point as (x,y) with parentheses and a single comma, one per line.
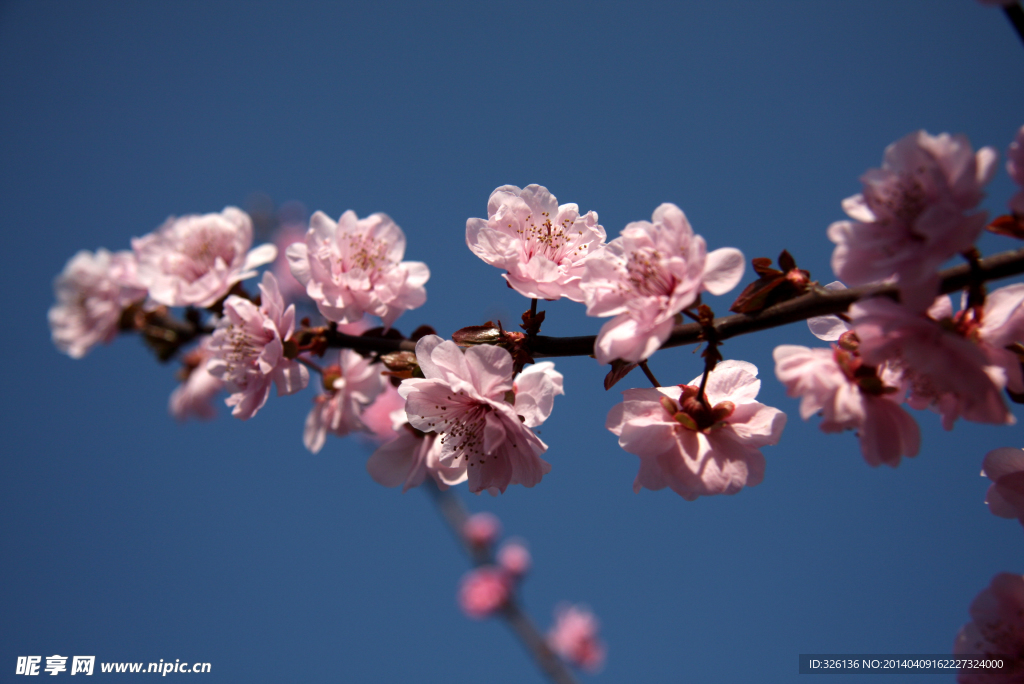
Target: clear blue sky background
(129,537)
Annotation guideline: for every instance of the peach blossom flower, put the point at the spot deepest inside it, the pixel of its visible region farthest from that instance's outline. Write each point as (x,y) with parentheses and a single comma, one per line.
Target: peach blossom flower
(646,276)
(354,267)
(92,291)
(248,350)
(828,381)
(943,370)
(699,449)
(911,216)
(195,260)
(541,245)
(469,400)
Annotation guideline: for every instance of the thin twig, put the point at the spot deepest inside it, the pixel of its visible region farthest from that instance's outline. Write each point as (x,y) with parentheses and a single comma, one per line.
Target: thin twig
(649,374)
(455,514)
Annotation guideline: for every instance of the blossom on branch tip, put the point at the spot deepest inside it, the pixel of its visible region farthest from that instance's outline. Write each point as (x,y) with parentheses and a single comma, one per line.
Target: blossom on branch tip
(468,399)
(484,591)
(542,246)
(574,637)
(849,396)
(248,350)
(196,260)
(646,276)
(911,216)
(354,383)
(996,629)
(698,448)
(194,395)
(1005,496)
(92,292)
(354,267)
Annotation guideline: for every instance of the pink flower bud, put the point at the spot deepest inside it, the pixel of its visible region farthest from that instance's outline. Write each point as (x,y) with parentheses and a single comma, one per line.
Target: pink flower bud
(574,637)
(482,529)
(483,592)
(515,558)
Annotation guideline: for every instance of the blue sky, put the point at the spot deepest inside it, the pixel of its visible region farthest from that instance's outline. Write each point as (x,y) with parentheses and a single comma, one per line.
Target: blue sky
(132,538)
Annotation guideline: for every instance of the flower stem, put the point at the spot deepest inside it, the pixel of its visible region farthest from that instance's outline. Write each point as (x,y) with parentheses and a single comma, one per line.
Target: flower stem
(649,374)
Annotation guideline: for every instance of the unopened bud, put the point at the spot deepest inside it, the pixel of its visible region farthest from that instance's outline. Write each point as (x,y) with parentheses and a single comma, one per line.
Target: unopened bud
(487,333)
(481,529)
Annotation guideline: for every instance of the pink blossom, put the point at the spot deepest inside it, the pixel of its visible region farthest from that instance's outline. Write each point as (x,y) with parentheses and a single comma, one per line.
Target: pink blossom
(483,592)
(409,458)
(514,558)
(574,637)
(355,382)
(542,245)
(943,370)
(481,529)
(646,276)
(1005,467)
(354,267)
(92,291)
(911,216)
(1015,167)
(195,260)
(194,395)
(828,381)
(248,350)
(997,629)
(465,397)
(699,449)
(378,416)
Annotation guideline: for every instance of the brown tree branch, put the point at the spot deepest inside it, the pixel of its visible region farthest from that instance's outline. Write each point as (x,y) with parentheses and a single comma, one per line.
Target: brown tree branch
(1001,265)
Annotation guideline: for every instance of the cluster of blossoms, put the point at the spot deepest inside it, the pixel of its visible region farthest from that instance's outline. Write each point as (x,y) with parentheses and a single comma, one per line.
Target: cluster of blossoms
(910,219)
(490,588)
(466,410)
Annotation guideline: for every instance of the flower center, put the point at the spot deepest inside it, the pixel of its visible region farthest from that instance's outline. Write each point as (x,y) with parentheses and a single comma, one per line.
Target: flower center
(696,415)
(553,241)
(201,249)
(366,254)
(242,351)
(647,275)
